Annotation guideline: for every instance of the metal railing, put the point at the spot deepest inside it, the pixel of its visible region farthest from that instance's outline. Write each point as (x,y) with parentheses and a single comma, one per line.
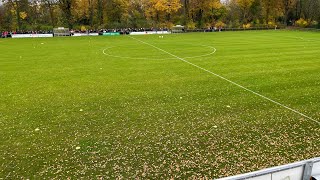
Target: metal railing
(304,170)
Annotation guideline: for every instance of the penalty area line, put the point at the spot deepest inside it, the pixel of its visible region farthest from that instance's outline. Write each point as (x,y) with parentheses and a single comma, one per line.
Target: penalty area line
(234,83)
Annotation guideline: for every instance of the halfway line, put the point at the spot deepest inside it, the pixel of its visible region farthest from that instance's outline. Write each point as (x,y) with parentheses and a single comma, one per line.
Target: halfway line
(262,96)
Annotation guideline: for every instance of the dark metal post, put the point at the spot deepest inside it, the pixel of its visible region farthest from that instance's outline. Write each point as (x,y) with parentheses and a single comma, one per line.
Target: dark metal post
(307,171)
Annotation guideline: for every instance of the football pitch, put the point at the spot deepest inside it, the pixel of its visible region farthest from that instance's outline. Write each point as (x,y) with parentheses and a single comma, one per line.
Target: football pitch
(183,106)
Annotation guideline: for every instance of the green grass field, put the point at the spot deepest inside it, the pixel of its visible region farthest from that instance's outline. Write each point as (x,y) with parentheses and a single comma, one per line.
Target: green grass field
(69,110)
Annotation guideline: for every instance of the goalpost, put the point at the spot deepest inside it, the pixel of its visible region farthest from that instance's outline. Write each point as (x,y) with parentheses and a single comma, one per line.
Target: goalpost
(177,29)
(61,31)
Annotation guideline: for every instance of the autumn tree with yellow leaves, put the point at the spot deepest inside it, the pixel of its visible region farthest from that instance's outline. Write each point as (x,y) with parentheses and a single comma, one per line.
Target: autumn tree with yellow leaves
(97,14)
(159,12)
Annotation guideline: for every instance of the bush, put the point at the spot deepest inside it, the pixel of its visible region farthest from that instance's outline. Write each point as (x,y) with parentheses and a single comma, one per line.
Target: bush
(301,23)
(256,23)
(246,26)
(83,28)
(313,24)
(191,25)
(208,25)
(169,25)
(271,24)
(220,24)
(234,24)
(237,24)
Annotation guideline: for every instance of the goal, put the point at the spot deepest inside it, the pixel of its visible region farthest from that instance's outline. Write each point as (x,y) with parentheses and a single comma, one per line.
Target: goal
(61,31)
(177,29)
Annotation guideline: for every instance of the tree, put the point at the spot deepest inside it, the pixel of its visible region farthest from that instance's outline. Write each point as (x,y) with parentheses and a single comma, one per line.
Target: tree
(2,16)
(137,17)
(100,16)
(117,12)
(66,7)
(50,5)
(256,12)
(160,11)
(17,7)
(205,11)
(186,11)
(38,14)
(270,9)
(245,6)
(287,6)
(233,14)
(213,11)
(310,9)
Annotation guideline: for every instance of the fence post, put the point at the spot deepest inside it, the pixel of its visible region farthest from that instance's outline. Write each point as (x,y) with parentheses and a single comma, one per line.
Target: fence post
(307,170)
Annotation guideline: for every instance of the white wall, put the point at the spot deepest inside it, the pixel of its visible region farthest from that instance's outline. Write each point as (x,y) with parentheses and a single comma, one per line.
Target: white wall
(31,35)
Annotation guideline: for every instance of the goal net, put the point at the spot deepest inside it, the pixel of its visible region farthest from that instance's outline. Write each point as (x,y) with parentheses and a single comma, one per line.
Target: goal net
(177,29)
(61,31)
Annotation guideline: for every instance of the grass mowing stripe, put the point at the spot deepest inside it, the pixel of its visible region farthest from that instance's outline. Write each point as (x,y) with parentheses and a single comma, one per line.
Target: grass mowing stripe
(234,83)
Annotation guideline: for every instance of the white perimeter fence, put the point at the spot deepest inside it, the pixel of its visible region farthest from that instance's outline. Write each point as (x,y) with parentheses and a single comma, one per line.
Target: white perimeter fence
(150,32)
(303,170)
(31,35)
(85,34)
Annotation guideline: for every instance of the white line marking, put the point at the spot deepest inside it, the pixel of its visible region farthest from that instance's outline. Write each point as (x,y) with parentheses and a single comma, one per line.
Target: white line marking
(262,96)
(190,57)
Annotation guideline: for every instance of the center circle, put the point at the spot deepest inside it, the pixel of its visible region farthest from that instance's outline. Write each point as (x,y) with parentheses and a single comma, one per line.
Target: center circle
(185,51)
